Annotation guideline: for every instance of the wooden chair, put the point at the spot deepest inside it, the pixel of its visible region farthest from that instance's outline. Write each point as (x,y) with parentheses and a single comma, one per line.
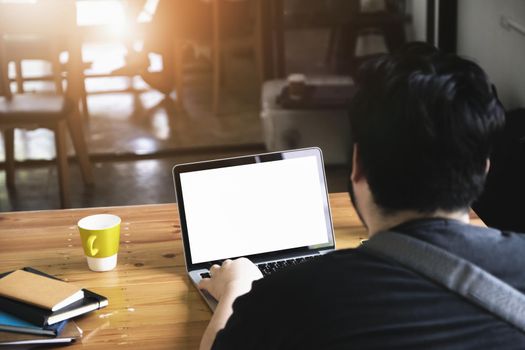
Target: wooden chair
(52,21)
(351,23)
(19,49)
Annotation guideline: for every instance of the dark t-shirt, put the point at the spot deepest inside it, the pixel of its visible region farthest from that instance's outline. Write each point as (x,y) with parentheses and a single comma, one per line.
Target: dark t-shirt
(349,299)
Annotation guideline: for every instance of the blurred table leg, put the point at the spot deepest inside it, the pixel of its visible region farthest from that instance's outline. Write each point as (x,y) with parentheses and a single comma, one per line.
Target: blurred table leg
(271,14)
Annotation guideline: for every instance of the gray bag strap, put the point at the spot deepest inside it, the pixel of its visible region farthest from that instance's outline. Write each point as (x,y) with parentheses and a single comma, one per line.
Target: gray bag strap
(453,272)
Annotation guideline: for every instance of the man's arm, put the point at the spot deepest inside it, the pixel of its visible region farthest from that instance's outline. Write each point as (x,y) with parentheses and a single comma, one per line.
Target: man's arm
(227,282)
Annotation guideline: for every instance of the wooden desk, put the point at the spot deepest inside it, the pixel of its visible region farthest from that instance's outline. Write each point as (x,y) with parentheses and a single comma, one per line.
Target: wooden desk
(152,304)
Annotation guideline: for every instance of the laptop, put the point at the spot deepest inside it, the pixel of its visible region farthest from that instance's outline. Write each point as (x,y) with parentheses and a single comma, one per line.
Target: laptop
(271,208)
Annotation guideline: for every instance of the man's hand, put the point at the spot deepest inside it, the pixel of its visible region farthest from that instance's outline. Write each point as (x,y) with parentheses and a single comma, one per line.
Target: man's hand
(227,282)
(233,278)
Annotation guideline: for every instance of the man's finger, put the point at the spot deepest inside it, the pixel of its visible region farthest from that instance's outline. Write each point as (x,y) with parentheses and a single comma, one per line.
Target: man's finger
(204,283)
(214,268)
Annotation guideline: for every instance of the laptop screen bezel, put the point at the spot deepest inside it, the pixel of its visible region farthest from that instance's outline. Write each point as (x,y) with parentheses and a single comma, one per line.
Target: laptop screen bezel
(245,160)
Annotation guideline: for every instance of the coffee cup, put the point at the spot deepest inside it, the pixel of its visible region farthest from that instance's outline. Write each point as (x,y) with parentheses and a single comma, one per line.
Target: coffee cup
(100,236)
(296,86)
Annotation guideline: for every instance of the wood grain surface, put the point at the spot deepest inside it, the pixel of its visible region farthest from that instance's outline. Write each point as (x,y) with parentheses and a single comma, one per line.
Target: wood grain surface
(152,304)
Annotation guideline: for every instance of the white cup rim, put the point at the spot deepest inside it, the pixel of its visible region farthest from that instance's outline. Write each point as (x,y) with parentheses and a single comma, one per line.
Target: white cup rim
(99,222)
(296,78)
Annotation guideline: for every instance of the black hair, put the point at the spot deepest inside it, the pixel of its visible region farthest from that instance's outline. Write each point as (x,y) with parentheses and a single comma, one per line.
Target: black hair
(424,123)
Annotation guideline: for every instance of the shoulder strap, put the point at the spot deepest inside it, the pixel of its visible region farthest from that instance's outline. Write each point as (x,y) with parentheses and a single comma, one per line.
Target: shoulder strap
(453,272)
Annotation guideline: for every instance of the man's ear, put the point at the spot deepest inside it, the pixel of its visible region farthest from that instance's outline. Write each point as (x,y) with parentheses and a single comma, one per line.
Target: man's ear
(487,166)
(357,172)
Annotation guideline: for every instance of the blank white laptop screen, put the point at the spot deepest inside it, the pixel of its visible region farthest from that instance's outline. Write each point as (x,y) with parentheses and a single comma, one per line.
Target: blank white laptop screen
(256,208)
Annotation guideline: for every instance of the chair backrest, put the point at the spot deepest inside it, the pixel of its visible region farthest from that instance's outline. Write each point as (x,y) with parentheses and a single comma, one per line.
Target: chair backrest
(4,79)
(52,22)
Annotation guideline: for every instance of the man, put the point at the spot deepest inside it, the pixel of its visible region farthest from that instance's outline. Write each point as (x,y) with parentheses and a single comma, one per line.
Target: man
(422,125)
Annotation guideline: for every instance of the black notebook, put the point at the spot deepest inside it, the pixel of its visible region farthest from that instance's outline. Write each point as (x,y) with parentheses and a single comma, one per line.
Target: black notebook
(70,334)
(41,317)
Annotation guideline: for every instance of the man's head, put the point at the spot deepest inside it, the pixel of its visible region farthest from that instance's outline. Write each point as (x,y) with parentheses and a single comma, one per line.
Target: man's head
(424,124)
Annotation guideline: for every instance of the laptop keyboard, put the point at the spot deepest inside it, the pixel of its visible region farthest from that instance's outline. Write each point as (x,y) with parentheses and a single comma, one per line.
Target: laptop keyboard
(271,267)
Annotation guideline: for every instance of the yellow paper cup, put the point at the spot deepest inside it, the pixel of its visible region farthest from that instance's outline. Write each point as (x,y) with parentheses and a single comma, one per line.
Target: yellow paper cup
(100,235)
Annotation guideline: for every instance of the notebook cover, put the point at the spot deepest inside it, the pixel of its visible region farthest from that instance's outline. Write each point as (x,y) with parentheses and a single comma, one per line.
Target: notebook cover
(41,317)
(37,290)
(10,323)
(70,334)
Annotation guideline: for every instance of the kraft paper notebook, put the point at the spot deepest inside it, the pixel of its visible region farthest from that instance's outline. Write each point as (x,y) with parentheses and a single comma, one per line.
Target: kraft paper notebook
(33,289)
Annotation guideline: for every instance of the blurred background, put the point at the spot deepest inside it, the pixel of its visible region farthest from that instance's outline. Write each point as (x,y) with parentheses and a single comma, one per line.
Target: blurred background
(100,98)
